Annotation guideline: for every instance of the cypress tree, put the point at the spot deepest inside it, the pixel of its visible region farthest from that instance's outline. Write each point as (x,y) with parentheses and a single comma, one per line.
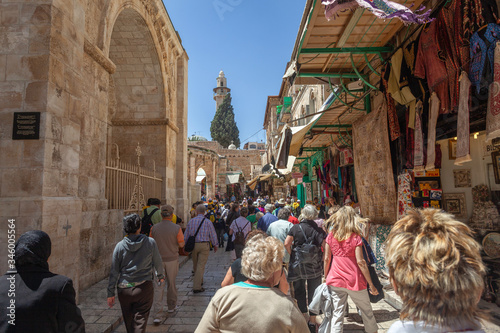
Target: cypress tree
(223,128)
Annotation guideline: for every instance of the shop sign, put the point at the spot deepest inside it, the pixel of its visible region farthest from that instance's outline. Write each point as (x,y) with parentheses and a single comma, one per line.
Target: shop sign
(297,175)
(489,147)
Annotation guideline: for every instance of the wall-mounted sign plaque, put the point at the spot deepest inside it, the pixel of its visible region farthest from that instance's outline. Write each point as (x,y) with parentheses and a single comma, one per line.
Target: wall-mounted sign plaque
(26,126)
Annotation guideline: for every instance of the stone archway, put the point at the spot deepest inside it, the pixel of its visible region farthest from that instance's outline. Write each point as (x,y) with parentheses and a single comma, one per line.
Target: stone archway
(209,161)
(92,90)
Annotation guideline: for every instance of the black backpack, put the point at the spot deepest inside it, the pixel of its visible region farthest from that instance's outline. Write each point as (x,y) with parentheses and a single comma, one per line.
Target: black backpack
(307,253)
(239,237)
(146,222)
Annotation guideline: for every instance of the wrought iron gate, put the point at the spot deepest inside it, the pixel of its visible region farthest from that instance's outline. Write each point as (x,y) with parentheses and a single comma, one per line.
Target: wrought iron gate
(128,185)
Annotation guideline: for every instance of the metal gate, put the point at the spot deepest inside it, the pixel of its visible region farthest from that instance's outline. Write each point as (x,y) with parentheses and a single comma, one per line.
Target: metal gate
(128,185)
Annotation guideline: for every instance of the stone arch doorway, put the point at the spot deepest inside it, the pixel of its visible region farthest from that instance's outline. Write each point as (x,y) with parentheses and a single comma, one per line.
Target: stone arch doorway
(138,95)
(201,178)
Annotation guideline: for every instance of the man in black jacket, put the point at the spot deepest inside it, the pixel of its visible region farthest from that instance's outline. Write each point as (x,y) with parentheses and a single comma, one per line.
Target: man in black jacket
(32,299)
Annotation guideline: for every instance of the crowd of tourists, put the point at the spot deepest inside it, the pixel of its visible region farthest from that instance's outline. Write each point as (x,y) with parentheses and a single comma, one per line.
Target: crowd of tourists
(293,271)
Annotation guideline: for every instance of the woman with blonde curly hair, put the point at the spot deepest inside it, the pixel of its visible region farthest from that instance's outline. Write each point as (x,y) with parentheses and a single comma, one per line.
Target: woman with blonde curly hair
(254,305)
(435,267)
(346,270)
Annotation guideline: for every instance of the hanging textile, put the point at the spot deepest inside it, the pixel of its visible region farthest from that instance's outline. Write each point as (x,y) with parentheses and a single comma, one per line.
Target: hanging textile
(493,115)
(404,194)
(410,142)
(394,129)
(397,85)
(353,185)
(463,130)
(383,9)
(430,64)
(334,8)
(418,157)
(375,184)
(431,135)
(439,156)
(482,52)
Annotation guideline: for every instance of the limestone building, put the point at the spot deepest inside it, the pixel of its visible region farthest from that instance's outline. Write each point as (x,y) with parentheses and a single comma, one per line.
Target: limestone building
(89,89)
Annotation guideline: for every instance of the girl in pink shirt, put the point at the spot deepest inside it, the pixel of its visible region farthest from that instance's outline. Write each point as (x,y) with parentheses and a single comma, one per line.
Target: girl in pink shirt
(346,270)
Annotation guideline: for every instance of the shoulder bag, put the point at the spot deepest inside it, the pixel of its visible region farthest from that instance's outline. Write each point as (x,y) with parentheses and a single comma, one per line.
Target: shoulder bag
(189,246)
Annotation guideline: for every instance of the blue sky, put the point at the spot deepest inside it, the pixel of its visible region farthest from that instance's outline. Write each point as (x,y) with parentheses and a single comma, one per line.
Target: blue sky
(250,40)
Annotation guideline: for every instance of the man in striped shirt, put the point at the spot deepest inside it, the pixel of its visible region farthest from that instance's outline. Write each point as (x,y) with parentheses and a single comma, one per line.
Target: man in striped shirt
(205,236)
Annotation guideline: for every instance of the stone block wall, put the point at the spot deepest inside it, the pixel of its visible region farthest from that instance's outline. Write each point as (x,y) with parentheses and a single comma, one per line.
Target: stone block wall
(56,58)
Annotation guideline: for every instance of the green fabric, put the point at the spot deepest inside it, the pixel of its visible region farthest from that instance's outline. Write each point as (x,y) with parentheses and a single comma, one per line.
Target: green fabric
(253,220)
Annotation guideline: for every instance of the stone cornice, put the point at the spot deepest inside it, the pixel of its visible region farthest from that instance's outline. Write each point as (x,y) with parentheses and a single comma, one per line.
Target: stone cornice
(146,122)
(95,53)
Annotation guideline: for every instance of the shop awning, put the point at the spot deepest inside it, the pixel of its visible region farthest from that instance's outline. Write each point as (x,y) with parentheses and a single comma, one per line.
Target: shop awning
(199,178)
(265,177)
(253,183)
(232,179)
(289,166)
(299,132)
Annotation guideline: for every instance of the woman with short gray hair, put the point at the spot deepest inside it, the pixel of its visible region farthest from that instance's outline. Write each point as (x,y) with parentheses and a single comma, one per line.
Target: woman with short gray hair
(135,259)
(305,268)
(233,307)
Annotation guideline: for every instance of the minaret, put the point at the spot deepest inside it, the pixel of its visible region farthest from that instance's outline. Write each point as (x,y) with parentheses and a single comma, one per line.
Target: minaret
(221,90)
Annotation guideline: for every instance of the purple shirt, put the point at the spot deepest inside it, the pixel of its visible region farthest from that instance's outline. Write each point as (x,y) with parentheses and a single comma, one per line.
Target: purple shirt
(207,231)
(241,223)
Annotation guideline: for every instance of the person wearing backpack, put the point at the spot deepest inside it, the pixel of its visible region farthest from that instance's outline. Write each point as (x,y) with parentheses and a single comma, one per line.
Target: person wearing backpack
(303,243)
(239,229)
(150,215)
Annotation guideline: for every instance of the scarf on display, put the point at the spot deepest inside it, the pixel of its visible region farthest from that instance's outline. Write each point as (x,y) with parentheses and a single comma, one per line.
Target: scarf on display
(383,9)
(418,157)
(410,141)
(493,113)
(463,130)
(394,129)
(353,185)
(326,172)
(431,135)
(404,194)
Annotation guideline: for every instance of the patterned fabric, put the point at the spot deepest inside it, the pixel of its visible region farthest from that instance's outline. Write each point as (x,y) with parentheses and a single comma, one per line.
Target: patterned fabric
(207,231)
(394,129)
(418,158)
(410,140)
(485,214)
(404,194)
(478,60)
(493,115)
(375,185)
(378,235)
(463,130)
(482,50)
(431,65)
(381,8)
(449,20)
(335,7)
(431,136)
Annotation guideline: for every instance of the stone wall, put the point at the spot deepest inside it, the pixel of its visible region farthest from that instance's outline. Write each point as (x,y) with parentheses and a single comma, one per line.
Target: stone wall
(100,72)
(228,160)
